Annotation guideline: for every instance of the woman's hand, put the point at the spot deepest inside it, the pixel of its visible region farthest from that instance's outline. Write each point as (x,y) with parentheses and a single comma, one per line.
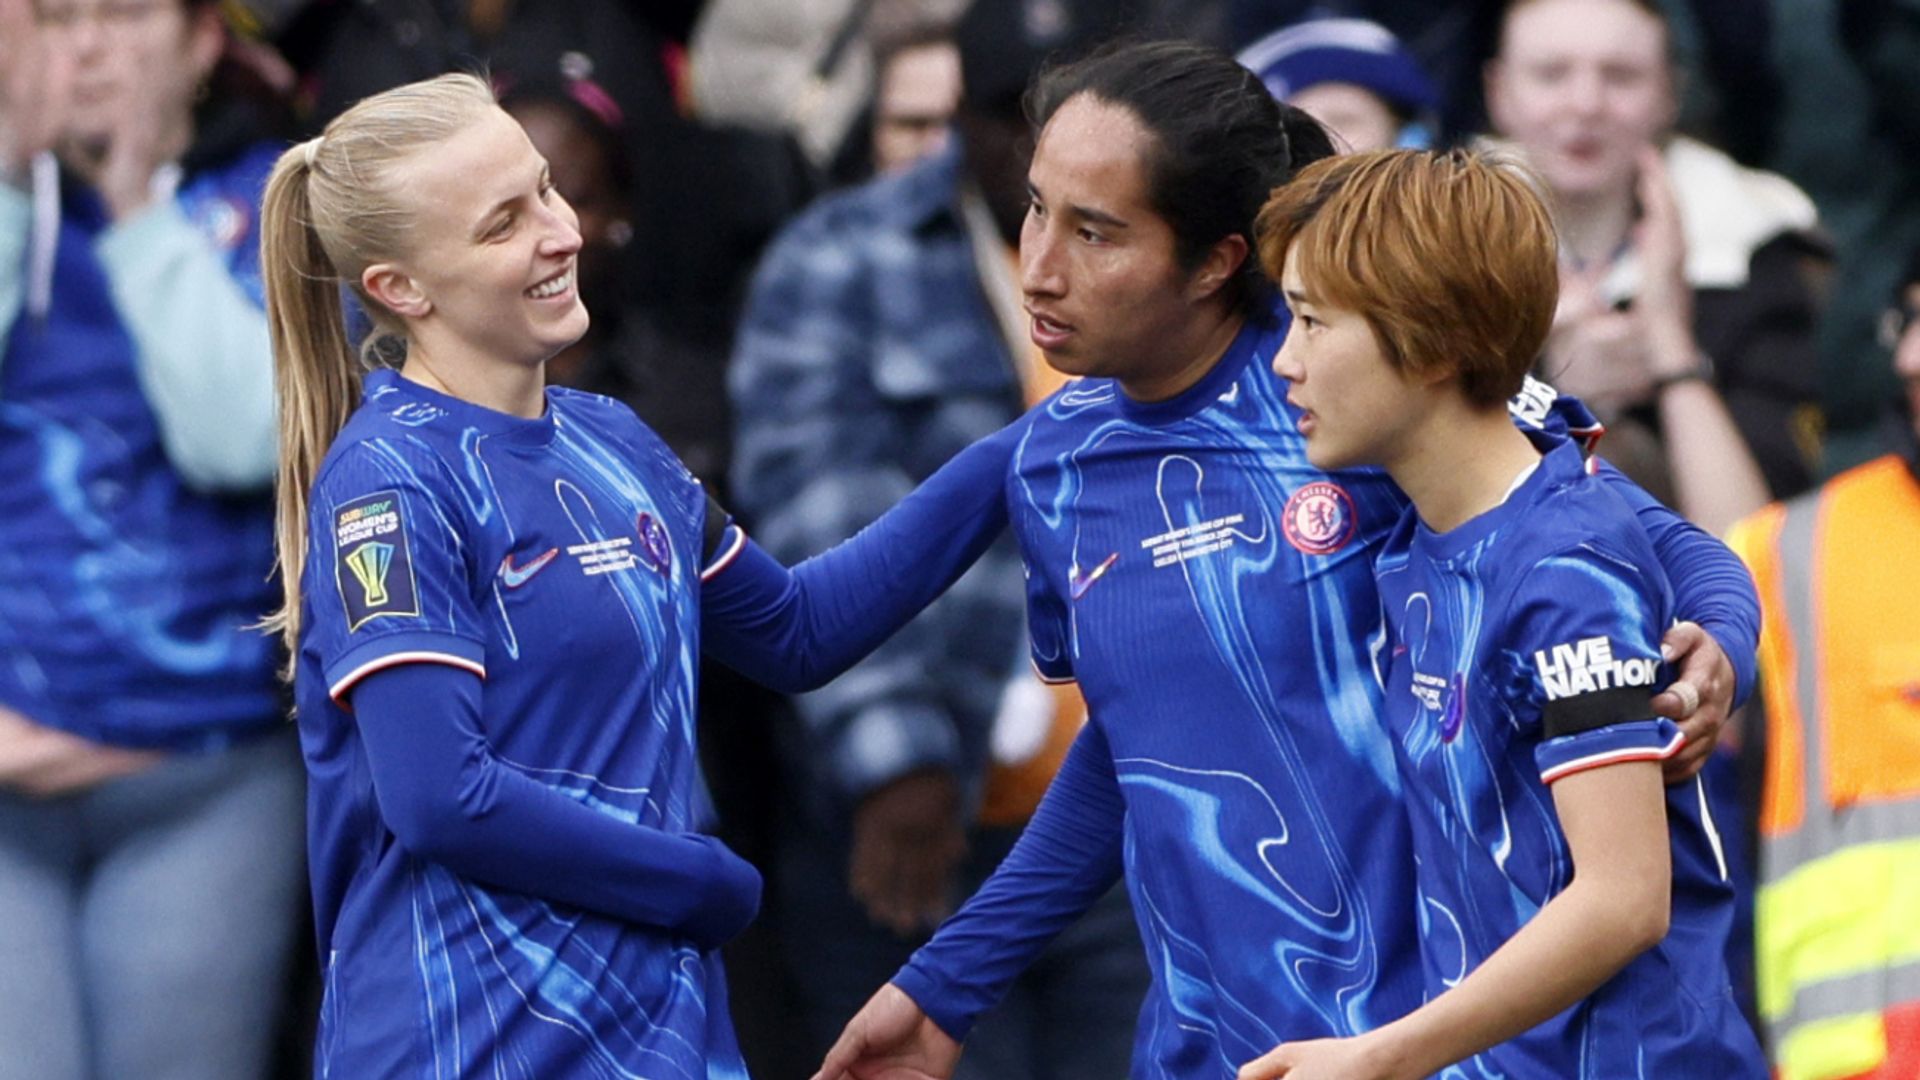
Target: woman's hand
(36,80)
(1601,358)
(1664,304)
(1700,699)
(890,1038)
(1593,352)
(152,125)
(41,762)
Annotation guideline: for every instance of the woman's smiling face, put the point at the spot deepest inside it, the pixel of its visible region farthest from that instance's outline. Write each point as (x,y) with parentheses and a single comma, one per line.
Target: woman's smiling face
(494,249)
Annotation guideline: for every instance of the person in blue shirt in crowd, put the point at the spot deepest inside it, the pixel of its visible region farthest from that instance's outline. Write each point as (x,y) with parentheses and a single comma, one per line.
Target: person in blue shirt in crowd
(1211,591)
(495,595)
(1574,908)
(149,788)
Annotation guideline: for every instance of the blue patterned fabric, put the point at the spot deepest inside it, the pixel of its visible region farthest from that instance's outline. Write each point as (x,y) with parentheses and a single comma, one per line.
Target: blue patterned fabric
(1524,646)
(558,557)
(1211,592)
(124,594)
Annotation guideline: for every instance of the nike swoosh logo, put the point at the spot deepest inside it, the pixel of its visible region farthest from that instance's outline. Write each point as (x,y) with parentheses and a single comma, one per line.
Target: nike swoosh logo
(515,576)
(1078,585)
(1232,395)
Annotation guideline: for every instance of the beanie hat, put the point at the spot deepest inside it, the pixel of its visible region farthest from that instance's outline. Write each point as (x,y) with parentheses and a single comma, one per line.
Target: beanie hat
(1354,51)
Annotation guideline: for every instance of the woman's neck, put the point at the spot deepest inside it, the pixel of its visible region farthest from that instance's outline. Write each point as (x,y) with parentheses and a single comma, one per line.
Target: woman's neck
(1593,228)
(1461,465)
(515,389)
(1207,340)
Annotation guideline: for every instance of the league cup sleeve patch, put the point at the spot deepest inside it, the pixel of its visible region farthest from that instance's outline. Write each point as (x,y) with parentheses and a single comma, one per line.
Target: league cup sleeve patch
(373,566)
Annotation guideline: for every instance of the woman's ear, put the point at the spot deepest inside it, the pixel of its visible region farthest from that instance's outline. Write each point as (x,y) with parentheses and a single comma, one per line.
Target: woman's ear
(396,291)
(1222,262)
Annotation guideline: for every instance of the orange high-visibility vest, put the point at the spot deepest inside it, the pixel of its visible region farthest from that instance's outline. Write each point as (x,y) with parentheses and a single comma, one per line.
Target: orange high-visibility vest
(1837,914)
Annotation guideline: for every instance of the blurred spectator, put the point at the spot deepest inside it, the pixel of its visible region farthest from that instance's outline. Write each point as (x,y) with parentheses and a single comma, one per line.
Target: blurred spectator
(885,332)
(1448,39)
(1686,317)
(1839,732)
(917,89)
(706,200)
(800,68)
(811,69)
(1847,129)
(346,50)
(577,128)
(1353,76)
(150,789)
(662,368)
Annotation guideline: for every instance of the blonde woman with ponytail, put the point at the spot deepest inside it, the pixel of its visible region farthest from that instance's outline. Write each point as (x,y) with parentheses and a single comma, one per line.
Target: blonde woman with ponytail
(496,596)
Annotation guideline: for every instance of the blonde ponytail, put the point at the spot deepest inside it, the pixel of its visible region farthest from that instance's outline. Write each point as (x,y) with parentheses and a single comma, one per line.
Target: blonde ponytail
(313,376)
(332,207)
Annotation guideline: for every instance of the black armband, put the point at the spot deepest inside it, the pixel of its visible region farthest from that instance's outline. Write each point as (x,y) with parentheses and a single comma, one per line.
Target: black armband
(1586,712)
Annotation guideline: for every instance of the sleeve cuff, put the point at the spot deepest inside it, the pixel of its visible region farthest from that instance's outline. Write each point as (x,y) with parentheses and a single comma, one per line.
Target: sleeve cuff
(1743,660)
(733,540)
(924,990)
(412,647)
(1637,740)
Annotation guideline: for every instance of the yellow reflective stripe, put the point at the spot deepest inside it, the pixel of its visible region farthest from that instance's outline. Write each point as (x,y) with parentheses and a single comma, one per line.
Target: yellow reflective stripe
(1853,911)
(1832,1049)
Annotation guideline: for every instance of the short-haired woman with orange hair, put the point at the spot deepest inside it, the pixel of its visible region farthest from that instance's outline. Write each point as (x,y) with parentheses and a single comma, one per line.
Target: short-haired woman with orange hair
(1574,909)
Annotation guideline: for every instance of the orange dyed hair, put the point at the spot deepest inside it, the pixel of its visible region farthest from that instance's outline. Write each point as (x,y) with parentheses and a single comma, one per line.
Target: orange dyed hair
(1450,258)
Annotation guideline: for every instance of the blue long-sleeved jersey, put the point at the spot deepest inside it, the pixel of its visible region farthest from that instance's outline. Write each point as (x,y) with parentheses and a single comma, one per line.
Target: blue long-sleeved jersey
(511,872)
(136,432)
(1521,647)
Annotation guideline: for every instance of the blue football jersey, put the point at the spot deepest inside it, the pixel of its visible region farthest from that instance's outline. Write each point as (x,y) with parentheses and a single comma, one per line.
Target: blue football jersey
(1211,592)
(559,559)
(126,597)
(1521,647)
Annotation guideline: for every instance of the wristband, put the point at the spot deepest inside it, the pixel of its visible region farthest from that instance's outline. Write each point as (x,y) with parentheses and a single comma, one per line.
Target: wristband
(1700,371)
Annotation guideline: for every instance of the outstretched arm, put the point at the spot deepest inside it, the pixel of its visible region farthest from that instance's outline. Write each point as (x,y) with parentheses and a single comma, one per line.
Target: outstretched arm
(796,629)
